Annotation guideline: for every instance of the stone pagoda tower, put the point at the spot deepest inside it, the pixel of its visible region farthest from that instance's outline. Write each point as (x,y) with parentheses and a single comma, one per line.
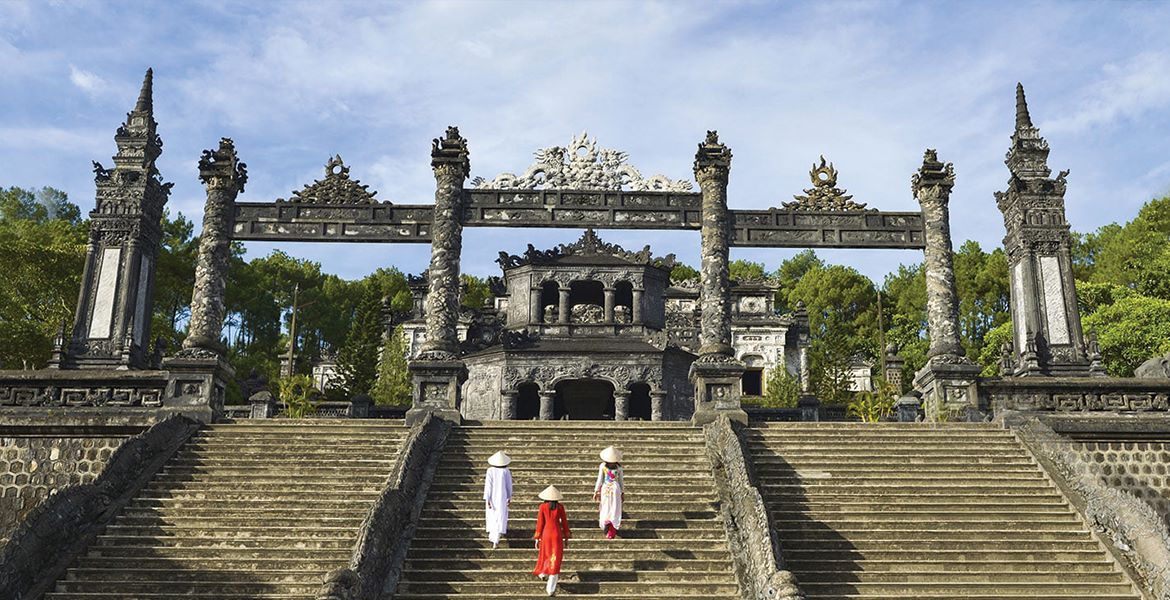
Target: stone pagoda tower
(1048,339)
(112,321)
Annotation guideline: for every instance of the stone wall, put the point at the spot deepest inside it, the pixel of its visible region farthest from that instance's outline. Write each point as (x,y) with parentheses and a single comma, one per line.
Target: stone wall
(34,466)
(1139,468)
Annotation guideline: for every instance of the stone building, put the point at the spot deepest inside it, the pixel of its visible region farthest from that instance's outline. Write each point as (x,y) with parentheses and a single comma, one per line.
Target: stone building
(589,330)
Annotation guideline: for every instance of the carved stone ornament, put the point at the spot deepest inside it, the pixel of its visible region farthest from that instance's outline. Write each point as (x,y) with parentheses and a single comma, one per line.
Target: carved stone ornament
(335,188)
(222,167)
(582,166)
(590,244)
(824,194)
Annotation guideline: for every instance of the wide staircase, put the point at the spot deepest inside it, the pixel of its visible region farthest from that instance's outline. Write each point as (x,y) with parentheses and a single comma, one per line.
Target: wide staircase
(672,542)
(883,511)
(247,510)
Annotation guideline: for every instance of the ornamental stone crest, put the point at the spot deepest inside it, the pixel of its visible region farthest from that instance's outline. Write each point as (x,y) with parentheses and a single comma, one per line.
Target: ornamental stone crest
(582,165)
(824,194)
(590,244)
(335,188)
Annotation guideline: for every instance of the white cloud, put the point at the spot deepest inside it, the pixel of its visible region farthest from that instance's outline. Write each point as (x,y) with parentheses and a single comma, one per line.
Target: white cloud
(90,83)
(1123,90)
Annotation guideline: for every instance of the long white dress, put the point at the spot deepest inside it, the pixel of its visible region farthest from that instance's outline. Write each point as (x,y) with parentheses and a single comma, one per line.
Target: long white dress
(610,484)
(497,490)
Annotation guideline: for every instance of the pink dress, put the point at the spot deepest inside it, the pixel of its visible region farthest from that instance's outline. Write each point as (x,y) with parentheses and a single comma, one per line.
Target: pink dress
(610,485)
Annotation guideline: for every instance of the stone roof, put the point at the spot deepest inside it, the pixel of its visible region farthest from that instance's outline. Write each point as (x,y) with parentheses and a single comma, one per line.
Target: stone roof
(590,249)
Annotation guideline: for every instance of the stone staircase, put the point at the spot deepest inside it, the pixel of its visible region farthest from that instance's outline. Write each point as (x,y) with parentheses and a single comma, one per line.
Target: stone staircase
(248,510)
(672,543)
(883,511)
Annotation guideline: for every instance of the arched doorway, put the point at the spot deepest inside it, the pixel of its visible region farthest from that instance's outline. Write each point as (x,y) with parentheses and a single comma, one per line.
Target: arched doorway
(639,402)
(584,399)
(527,401)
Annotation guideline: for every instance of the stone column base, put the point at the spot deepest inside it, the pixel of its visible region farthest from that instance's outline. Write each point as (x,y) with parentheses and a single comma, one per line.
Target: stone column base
(718,381)
(197,381)
(949,388)
(436,389)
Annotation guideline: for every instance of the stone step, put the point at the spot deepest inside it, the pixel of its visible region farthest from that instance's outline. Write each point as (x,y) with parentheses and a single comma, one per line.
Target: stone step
(861,523)
(211,573)
(275,521)
(568,587)
(182,505)
(521,549)
(528,524)
(315,531)
(129,552)
(594,541)
(696,534)
(1004,588)
(1088,564)
(952,577)
(574,571)
(289,540)
(247,587)
(524,564)
(837,513)
(157,595)
(212,562)
(251,496)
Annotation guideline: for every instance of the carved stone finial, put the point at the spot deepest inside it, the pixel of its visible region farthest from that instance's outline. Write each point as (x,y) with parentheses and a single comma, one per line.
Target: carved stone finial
(222,168)
(712,158)
(590,244)
(582,165)
(335,188)
(824,194)
(933,177)
(1023,119)
(451,150)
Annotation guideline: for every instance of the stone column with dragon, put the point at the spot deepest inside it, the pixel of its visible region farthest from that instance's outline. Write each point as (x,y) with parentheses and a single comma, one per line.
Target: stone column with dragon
(437,374)
(224,177)
(947,381)
(716,374)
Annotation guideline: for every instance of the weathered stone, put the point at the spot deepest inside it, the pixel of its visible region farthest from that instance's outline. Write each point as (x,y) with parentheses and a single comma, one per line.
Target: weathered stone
(932,188)
(224,176)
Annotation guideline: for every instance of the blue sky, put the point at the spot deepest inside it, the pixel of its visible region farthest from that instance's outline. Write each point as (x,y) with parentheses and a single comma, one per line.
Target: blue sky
(869,85)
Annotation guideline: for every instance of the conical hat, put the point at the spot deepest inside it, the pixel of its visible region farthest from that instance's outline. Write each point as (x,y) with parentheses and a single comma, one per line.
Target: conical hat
(611,455)
(550,493)
(499,459)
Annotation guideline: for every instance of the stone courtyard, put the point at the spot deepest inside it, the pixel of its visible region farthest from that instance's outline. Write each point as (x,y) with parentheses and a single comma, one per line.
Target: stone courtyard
(127,475)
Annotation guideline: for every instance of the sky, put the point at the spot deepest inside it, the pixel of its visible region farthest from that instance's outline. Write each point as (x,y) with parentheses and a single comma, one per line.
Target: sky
(869,85)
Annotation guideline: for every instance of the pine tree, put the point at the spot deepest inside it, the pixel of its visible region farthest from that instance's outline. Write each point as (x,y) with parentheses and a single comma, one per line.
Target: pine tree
(393,384)
(357,361)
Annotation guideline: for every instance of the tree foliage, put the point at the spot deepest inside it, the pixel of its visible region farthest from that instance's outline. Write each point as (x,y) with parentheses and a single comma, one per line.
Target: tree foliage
(392,387)
(357,361)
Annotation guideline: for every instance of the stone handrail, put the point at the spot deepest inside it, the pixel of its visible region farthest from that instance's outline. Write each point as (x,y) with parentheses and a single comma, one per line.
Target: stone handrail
(1130,527)
(754,545)
(55,532)
(380,550)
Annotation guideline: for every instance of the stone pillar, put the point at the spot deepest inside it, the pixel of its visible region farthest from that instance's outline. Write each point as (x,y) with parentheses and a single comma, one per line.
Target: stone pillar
(546,404)
(716,374)
(636,309)
(932,187)
(621,405)
(437,374)
(224,177)
(609,301)
(563,305)
(508,404)
(657,405)
(947,381)
(535,309)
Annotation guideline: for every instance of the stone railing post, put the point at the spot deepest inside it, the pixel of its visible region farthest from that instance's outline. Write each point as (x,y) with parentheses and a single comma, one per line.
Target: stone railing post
(657,405)
(437,374)
(716,373)
(546,404)
(224,177)
(563,304)
(947,382)
(621,405)
(609,302)
(535,309)
(508,400)
(636,309)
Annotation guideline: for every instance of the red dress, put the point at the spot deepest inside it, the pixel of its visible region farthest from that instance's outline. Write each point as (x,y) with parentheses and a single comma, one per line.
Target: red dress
(552,529)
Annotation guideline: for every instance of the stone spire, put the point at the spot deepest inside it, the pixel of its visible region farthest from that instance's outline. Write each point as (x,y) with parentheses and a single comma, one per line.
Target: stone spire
(1023,119)
(114,308)
(1045,318)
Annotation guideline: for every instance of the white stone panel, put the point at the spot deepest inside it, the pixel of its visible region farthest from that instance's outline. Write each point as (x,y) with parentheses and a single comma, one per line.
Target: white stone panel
(1054,308)
(102,318)
(140,314)
(1018,309)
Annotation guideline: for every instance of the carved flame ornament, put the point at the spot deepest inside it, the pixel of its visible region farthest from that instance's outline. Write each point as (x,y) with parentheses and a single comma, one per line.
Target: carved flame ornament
(824,194)
(582,165)
(335,188)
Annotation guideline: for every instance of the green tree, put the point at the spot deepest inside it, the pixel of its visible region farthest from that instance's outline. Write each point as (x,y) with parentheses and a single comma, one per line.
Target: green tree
(992,352)
(790,272)
(393,384)
(745,270)
(357,361)
(681,272)
(781,390)
(42,251)
(1135,255)
(1130,331)
(476,291)
(174,278)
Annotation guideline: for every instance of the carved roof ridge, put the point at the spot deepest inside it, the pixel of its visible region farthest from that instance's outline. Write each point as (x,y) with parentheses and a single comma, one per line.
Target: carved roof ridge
(589,244)
(824,194)
(582,165)
(335,188)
